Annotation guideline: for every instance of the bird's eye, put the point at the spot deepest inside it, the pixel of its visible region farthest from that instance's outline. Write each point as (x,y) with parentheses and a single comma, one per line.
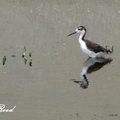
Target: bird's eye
(79,29)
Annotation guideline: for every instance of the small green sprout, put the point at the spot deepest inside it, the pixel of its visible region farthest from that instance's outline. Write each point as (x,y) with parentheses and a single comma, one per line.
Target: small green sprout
(30,63)
(25,49)
(106,46)
(25,61)
(23,55)
(112,49)
(4,60)
(30,55)
(13,56)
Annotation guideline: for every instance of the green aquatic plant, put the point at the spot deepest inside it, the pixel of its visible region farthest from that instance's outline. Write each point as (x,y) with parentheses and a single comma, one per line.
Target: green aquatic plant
(25,61)
(30,56)
(24,51)
(106,47)
(4,60)
(23,55)
(13,56)
(112,49)
(30,63)
(25,48)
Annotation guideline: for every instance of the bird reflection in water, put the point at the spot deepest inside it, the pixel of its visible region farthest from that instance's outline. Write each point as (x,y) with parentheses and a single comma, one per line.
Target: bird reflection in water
(89,66)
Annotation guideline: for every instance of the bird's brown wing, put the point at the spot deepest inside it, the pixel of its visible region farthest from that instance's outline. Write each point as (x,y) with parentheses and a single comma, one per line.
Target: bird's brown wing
(96,48)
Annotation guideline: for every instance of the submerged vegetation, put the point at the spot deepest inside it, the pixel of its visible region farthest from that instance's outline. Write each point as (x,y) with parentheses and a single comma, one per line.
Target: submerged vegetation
(106,47)
(13,56)
(25,58)
(112,49)
(23,55)
(30,56)
(4,60)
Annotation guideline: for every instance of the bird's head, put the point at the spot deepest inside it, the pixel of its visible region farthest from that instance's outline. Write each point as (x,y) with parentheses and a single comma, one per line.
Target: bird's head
(80,30)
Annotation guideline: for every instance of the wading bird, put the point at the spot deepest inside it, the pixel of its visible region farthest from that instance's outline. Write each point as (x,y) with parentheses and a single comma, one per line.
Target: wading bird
(92,49)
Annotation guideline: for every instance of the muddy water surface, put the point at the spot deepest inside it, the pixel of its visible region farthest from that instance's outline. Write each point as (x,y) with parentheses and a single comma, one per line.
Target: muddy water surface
(45,90)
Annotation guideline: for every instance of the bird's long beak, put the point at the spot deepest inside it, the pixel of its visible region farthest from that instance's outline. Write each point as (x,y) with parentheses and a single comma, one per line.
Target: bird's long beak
(72,33)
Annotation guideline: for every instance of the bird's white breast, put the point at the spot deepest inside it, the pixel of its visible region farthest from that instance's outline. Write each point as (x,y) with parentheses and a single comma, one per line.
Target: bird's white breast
(89,52)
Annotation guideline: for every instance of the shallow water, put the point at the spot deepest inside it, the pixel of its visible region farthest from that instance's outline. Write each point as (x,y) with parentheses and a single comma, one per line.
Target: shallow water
(45,90)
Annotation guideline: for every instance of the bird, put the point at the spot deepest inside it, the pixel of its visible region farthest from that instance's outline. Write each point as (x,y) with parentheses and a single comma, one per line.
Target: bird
(92,49)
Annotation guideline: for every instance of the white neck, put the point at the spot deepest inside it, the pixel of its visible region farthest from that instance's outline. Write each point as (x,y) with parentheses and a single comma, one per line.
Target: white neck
(82,33)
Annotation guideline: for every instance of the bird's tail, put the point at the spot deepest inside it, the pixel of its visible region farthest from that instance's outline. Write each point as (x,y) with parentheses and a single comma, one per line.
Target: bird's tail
(108,51)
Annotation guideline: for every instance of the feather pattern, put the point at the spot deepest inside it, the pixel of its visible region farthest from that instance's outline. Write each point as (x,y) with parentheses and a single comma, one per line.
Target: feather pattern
(95,47)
